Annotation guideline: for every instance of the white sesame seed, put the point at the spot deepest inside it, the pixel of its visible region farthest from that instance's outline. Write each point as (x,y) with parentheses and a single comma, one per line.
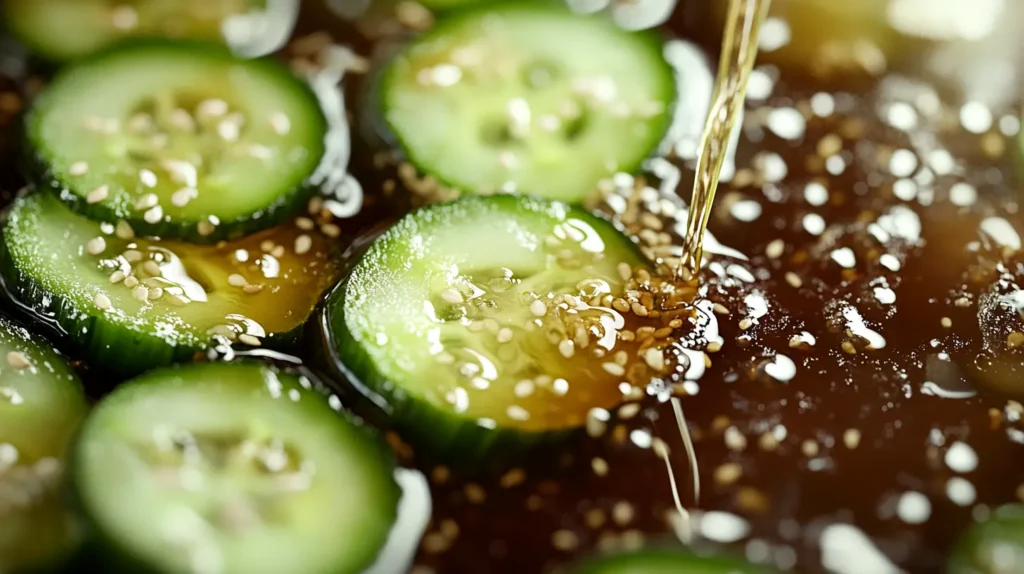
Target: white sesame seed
(131,281)
(655,358)
(567,348)
(305,223)
(775,249)
(249,340)
(146,201)
(156,293)
(18,360)
(241,255)
(141,293)
(205,228)
(102,301)
(330,230)
(303,244)
(451,296)
(181,172)
(229,130)
(117,276)
(96,245)
(236,280)
(250,288)
(280,123)
(124,230)
(182,120)
(614,369)
(97,195)
(538,308)
(154,215)
(212,108)
(78,168)
(504,335)
(523,388)
(147,178)
(152,267)
(184,195)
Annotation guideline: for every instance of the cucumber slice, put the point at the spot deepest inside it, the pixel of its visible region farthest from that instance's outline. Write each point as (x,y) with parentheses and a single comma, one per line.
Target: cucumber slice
(132,304)
(457,320)
(69,29)
(181,140)
(41,404)
(995,546)
(232,468)
(528,96)
(668,561)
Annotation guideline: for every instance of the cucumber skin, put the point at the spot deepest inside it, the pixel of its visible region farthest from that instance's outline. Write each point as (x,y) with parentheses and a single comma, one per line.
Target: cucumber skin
(37,167)
(452,440)
(100,552)
(113,347)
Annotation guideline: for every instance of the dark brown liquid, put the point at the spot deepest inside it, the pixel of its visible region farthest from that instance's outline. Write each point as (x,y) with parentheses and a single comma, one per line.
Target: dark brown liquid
(843,430)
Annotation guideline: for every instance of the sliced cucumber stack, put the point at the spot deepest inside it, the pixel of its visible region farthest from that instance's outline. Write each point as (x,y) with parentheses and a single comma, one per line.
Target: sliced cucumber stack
(232,468)
(132,304)
(69,29)
(41,405)
(528,96)
(669,561)
(995,546)
(181,140)
(473,320)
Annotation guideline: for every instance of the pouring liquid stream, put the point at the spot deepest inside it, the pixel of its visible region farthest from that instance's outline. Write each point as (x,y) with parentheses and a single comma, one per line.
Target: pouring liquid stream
(739,51)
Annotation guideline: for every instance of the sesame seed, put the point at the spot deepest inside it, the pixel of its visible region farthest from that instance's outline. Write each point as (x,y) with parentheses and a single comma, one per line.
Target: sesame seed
(248,339)
(96,245)
(229,129)
(720,309)
(599,465)
(567,348)
(728,473)
(156,293)
(184,195)
(565,540)
(18,360)
(851,438)
(280,123)
(204,227)
(146,201)
(303,244)
(475,493)
(504,335)
(147,178)
(734,439)
(102,301)
(523,388)
(131,282)
(623,513)
(305,223)
(538,308)
(625,271)
(97,195)
(946,322)
(78,168)
(212,107)
(848,348)
(714,347)
(655,358)
(628,411)
(794,280)
(141,293)
(330,230)
(775,249)
(132,256)
(117,276)
(124,230)
(746,324)
(236,280)
(518,413)
(250,289)
(152,268)
(613,369)
(154,215)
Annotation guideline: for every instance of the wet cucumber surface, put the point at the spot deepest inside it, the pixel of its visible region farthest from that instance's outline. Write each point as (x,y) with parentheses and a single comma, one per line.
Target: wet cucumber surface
(854,401)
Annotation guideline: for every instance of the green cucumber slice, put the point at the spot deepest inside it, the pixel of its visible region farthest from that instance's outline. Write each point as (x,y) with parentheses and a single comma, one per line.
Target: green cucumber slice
(182,140)
(41,405)
(528,96)
(69,29)
(468,320)
(669,561)
(995,546)
(232,467)
(131,304)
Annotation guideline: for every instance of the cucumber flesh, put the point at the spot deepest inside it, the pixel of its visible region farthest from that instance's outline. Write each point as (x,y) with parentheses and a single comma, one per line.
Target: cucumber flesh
(131,304)
(41,404)
(995,546)
(69,29)
(231,468)
(530,97)
(461,318)
(181,140)
(669,561)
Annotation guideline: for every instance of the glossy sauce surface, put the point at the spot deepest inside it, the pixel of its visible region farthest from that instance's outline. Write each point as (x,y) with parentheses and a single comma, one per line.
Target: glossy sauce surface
(863,303)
